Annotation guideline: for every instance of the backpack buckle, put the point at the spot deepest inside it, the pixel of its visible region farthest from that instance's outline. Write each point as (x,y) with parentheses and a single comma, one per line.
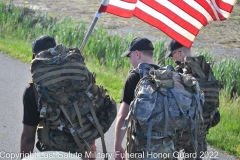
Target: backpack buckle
(73,132)
(53,51)
(90,118)
(43,112)
(90,95)
(60,127)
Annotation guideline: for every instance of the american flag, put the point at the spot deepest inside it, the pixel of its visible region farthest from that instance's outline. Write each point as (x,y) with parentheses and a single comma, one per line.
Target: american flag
(179,19)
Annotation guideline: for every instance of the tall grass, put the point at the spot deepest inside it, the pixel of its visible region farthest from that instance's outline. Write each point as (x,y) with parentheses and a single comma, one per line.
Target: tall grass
(227,71)
(27,25)
(19,27)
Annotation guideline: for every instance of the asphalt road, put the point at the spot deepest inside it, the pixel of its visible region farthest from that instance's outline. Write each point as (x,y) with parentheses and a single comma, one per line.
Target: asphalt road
(14,76)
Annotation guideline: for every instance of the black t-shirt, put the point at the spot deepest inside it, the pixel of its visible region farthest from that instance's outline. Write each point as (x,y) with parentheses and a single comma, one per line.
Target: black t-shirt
(130,85)
(30,113)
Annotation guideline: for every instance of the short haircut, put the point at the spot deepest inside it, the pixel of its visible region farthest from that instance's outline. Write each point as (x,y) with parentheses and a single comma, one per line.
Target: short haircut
(185,50)
(148,53)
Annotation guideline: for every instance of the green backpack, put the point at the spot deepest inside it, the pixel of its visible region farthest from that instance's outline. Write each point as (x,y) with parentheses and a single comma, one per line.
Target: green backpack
(201,70)
(73,109)
(164,103)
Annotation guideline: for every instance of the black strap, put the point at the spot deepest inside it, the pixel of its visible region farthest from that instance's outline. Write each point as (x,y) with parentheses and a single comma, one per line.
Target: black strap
(35,94)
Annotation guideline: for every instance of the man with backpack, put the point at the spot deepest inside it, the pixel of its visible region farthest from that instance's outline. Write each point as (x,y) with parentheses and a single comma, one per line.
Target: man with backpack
(201,70)
(140,50)
(31,115)
(156,102)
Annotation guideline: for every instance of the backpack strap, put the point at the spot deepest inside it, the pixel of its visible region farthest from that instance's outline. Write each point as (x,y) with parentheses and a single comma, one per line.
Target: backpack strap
(195,67)
(143,69)
(198,112)
(97,125)
(36,95)
(30,82)
(72,130)
(129,136)
(165,102)
(149,134)
(78,113)
(210,75)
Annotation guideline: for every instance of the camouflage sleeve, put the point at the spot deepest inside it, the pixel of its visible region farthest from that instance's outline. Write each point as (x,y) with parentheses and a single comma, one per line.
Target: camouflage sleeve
(129,87)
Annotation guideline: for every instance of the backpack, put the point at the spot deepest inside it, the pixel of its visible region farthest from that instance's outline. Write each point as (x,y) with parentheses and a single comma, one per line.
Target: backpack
(202,71)
(73,109)
(165,101)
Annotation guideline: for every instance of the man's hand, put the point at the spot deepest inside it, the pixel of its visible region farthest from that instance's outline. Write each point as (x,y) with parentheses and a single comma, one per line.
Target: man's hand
(119,153)
(93,150)
(119,133)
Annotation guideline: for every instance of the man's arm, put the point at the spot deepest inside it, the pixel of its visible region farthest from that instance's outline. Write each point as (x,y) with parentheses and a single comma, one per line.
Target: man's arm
(119,133)
(27,139)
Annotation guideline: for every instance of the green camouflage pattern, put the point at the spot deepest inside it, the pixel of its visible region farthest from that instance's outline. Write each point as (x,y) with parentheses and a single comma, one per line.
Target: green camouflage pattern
(160,149)
(62,79)
(148,105)
(201,70)
(158,112)
(182,141)
(211,93)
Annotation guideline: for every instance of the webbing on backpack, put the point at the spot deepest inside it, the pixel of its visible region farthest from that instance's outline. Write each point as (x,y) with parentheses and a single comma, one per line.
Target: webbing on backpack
(201,70)
(157,96)
(75,109)
(98,126)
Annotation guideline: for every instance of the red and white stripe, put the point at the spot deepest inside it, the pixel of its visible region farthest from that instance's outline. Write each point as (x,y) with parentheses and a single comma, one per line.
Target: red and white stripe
(179,19)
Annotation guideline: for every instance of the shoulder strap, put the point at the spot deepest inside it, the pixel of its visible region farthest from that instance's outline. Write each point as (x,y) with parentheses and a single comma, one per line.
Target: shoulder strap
(35,91)
(206,68)
(192,67)
(143,69)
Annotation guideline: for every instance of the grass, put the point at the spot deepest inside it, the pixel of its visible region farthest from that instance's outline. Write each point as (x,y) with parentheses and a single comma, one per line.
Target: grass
(19,27)
(112,80)
(226,134)
(16,48)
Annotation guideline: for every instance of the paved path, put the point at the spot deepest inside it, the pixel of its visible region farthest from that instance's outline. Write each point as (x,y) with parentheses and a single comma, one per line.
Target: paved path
(14,76)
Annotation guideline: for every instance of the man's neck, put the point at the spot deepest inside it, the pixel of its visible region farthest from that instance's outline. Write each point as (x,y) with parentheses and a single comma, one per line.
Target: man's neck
(149,61)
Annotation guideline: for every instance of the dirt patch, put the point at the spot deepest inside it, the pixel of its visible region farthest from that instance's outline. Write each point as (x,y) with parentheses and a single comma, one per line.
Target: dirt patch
(220,38)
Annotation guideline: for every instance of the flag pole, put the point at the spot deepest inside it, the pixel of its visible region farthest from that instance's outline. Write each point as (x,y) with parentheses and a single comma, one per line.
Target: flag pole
(101,9)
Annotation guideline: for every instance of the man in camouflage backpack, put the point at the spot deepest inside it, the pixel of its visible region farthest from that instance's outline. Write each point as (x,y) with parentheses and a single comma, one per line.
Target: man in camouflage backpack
(140,50)
(63,101)
(151,108)
(201,70)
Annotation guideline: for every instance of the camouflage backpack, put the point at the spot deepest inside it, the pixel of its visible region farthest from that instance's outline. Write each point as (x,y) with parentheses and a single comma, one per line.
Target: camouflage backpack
(73,109)
(164,102)
(201,70)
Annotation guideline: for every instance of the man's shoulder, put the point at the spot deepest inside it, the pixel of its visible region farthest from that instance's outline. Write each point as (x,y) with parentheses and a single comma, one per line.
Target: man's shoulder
(132,74)
(29,89)
(146,66)
(155,66)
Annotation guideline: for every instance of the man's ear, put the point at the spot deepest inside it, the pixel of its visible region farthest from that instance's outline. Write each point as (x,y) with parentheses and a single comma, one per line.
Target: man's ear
(179,53)
(138,54)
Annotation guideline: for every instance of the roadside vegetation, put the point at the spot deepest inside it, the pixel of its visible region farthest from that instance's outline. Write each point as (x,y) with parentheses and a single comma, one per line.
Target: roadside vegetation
(20,26)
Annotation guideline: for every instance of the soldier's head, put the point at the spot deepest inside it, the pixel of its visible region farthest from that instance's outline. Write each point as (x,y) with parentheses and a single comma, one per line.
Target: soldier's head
(177,51)
(42,43)
(140,50)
